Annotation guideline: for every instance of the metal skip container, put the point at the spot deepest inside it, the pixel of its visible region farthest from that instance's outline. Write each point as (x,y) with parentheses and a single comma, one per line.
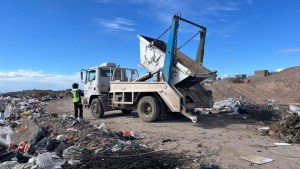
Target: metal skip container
(185,71)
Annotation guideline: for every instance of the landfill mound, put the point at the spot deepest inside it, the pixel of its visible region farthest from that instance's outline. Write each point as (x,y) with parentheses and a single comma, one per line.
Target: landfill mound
(283,87)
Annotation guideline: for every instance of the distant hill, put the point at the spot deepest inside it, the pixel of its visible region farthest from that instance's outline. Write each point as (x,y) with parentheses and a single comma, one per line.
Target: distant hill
(283,87)
(35,93)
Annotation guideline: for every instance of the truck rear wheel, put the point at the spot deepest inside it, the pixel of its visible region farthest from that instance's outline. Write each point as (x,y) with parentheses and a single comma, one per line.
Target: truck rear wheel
(148,109)
(97,108)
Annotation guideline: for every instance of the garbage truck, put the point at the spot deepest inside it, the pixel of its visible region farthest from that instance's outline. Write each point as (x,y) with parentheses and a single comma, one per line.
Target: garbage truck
(172,84)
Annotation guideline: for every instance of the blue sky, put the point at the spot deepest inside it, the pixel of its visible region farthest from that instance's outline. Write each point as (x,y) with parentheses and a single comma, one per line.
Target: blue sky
(45,43)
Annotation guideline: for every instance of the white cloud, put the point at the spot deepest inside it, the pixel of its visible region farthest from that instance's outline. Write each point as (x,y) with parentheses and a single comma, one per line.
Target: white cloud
(116,24)
(228,6)
(213,11)
(27,79)
(278,70)
(227,30)
(288,50)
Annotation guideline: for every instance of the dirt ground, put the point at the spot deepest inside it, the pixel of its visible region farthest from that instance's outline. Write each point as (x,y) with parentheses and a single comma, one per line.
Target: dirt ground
(220,139)
(283,87)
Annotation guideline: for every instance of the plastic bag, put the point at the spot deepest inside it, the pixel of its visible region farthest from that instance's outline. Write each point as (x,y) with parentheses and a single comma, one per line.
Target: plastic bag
(6,134)
(49,161)
(102,127)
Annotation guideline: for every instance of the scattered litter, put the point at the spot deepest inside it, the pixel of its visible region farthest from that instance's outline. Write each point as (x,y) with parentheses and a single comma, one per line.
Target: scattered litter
(60,137)
(73,162)
(49,161)
(72,129)
(53,141)
(264,129)
(294,108)
(244,117)
(167,140)
(136,135)
(6,134)
(101,127)
(282,144)
(257,159)
(8,164)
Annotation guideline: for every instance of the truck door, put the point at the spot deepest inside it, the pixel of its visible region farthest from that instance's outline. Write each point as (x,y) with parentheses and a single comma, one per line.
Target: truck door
(105,79)
(91,83)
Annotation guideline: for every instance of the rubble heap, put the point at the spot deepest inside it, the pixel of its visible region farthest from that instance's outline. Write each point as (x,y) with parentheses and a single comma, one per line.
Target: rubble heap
(238,107)
(260,112)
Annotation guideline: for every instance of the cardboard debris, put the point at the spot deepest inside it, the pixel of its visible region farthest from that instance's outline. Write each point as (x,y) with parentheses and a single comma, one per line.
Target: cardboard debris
(257,159)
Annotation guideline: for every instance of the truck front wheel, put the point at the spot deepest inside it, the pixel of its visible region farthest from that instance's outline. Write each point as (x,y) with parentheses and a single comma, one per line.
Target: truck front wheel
(148,109)
(97,108)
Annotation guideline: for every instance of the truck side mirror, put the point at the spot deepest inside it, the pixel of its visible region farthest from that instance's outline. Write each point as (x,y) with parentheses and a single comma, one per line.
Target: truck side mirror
(83,79)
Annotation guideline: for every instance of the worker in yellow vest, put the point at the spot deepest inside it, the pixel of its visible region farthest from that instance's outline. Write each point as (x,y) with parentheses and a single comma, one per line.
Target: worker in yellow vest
(76,93)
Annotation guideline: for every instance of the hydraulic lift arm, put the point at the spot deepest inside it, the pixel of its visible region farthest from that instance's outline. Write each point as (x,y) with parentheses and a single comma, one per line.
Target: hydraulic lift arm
(172,47)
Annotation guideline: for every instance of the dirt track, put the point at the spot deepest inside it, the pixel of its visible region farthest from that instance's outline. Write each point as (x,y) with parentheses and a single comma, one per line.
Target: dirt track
(220,140)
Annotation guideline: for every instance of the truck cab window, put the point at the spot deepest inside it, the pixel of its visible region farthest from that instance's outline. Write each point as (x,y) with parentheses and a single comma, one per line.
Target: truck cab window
(92,75)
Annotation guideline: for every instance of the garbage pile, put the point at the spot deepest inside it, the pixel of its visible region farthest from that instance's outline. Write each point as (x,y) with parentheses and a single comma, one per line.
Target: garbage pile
(13,109)
(260,112)
(238,107)
(49,140)
(287,129)
(228,105)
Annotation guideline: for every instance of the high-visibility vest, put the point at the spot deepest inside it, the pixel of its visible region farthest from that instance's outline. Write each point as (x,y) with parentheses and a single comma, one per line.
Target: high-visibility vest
(75,95)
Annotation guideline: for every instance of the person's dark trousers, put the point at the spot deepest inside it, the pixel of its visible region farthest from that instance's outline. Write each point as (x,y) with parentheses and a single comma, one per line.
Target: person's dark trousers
(77,106)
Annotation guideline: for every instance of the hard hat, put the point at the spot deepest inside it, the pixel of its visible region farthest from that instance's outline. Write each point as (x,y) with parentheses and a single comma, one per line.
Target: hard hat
(75,85)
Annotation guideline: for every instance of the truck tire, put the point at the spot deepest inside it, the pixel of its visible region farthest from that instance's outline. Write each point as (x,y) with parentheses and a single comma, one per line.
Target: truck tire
(162,107)
(148,109)
(126,111)
(97,108)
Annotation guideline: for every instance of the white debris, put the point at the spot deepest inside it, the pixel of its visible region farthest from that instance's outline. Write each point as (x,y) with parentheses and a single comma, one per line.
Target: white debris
(264,129)
(6,134)
(282,144)
(294,108)
(229,104)
(49,161)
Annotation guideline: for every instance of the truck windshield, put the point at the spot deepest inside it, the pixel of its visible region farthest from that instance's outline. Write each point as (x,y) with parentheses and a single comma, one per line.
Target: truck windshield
(91,75)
